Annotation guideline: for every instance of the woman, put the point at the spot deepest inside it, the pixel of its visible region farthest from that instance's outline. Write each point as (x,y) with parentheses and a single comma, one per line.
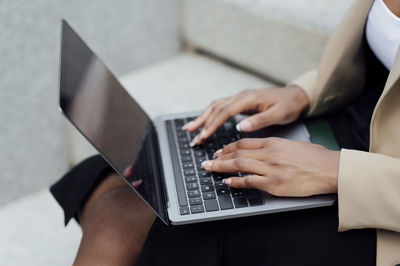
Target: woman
(357,88)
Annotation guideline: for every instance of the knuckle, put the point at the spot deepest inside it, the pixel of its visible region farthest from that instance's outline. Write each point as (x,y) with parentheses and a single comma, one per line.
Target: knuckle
(226,149)
(241,143)
(237,154)
(238,164)
(248,182)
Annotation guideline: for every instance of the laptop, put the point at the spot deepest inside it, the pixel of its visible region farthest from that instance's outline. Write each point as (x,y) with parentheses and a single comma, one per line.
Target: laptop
(154,157)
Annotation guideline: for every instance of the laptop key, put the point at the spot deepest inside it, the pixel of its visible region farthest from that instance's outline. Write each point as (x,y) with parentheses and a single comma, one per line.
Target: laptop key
(225,202)
(190,179)
(183,140)
(199,160)
(180,186)
(209,195)
(205,181)
(189,172)
(195,201)
(207,188)
(222,191)
(252,192)
(211,205)
(187,165)
(203,174)
(193,193)
(192,186)
(184,145)
(197,209)
(186,158)
(179,122)
(181,134)
(198,154)
(185,152)
(255,201)
(236,192)
(184,210)
(218,177)
(220,185)
(240,202)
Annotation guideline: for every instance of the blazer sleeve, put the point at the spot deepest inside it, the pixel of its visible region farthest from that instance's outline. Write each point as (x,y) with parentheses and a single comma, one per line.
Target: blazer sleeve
(308,82)
(368,191)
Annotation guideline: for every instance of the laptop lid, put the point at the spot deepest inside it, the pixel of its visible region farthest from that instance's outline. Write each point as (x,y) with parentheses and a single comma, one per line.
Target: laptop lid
(110,119)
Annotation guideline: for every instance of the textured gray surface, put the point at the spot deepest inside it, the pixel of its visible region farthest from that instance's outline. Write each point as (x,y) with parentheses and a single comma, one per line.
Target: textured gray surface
(33,233)
(126,34)
(279,39)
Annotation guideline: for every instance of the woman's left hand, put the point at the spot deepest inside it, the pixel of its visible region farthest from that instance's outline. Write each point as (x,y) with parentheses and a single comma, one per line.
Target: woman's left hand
(278,166)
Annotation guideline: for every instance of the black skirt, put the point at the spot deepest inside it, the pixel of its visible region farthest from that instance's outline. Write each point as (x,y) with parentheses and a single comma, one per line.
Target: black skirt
(72,190)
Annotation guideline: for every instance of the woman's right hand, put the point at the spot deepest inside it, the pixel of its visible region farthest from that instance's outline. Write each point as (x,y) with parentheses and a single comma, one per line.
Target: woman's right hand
(276,106)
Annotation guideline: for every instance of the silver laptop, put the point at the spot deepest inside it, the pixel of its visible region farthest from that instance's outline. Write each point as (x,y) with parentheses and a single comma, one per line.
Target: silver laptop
(154,157)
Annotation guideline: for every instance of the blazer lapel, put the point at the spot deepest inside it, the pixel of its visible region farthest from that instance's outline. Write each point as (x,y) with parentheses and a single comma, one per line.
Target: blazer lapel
(394,74)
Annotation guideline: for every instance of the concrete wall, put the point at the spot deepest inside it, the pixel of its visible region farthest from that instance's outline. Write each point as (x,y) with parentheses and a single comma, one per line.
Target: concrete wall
(126,33)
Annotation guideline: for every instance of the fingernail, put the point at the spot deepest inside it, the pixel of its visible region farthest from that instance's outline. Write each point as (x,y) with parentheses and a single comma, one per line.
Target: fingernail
(227,181)
(203,134)
(187,125)
(218,153)
(238,127)
(194,141)
(206,164)
(244,126)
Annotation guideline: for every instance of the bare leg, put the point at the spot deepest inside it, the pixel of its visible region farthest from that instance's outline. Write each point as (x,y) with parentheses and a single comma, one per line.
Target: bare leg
(115,223)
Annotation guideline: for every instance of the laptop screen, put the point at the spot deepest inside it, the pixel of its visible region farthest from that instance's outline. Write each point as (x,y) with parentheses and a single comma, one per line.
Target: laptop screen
(110,119)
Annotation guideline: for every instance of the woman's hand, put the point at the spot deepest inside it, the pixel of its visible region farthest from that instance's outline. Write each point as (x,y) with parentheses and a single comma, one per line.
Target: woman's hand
(278,166)
(268,106)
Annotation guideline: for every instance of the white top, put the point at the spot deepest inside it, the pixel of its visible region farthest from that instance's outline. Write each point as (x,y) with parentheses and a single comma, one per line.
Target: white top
(383,33)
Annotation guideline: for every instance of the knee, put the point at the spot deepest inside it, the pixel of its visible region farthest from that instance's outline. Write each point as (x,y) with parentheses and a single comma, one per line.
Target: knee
(118,214)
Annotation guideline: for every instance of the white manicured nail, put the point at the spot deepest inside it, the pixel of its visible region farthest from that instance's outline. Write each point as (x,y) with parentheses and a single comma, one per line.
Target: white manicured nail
(227,181)
(238,127)
(194,141)
(244,126)
(187,125)
(203,134)
(218,152)
(206,164)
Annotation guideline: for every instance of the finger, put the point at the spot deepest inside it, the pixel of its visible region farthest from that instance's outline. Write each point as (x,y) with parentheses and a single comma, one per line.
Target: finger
(219,115)
(249,181)
(199,121)
(236,165)
(137,183)
(256,154)
(274,115)
(243,144)
(128,171)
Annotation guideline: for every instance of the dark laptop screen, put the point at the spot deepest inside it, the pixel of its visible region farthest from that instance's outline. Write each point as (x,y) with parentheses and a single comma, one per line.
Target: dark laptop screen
(103,111)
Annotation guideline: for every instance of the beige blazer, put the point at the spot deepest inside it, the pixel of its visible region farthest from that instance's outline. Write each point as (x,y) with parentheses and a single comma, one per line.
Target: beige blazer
(368,182)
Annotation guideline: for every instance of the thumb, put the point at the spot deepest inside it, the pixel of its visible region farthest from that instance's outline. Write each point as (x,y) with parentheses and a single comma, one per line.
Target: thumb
(260,120)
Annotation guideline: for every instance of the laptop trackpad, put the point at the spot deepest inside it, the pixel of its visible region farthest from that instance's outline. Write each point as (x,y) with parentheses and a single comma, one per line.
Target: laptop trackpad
(293,131)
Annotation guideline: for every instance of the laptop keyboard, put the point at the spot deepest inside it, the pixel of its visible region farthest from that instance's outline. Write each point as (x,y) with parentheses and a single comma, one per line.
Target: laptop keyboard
(200,190)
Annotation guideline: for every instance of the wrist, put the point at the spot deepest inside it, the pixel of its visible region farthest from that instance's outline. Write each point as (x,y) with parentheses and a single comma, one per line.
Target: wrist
(301,97)
(332,179)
